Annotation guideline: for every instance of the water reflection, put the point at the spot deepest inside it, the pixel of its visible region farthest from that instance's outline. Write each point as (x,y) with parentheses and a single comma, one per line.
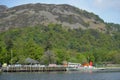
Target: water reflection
(60,76)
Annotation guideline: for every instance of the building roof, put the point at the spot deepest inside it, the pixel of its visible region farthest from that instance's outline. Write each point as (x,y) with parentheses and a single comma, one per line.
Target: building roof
(31,61)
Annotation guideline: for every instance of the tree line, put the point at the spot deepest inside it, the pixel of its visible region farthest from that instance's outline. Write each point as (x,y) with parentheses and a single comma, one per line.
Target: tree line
(55,44)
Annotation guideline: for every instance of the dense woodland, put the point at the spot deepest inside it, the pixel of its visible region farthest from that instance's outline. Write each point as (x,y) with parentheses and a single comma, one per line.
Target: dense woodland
(55,44)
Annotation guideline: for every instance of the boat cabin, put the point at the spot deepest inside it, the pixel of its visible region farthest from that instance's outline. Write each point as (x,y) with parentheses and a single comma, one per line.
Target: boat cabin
(73,64)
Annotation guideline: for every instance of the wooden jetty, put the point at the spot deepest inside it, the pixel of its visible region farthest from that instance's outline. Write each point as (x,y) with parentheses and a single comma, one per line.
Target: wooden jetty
(38,68)
(32,69)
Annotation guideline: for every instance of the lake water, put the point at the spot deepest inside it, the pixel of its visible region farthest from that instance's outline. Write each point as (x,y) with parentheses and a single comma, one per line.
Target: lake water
(60,76)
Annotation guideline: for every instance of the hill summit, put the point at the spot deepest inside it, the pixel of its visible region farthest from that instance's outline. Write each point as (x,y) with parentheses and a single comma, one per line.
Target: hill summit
(35,14)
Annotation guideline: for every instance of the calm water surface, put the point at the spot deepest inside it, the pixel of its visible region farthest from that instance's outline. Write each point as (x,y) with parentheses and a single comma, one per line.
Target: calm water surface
(60,76)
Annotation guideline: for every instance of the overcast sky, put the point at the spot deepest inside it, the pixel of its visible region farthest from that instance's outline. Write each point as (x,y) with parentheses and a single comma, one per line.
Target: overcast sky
(108,10)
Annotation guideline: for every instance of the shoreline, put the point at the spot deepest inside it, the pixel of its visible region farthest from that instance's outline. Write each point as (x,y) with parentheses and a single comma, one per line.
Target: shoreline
(57,69)
(109,69)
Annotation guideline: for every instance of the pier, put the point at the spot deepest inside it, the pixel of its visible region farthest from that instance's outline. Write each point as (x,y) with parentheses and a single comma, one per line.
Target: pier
(30,68)
(41,68)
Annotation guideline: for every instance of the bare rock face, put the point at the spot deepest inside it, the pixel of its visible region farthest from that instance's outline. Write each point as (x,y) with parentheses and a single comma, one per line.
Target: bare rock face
(3,8)
(35,14)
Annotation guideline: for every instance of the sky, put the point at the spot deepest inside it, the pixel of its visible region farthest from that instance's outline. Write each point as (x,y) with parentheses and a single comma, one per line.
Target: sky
(108,10)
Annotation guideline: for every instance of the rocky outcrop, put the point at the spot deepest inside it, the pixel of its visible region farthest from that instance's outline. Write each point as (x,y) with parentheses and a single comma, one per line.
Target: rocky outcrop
(35,14)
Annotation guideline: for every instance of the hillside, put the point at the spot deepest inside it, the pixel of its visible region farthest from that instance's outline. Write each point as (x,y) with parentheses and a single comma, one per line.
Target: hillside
(35,14)
(53,33)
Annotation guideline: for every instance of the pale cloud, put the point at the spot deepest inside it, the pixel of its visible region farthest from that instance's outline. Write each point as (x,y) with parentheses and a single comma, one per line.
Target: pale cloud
(74,2)
(99,1)
(107,3)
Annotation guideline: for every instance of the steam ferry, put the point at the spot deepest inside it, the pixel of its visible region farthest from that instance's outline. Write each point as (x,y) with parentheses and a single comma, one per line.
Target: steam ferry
(79,67)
